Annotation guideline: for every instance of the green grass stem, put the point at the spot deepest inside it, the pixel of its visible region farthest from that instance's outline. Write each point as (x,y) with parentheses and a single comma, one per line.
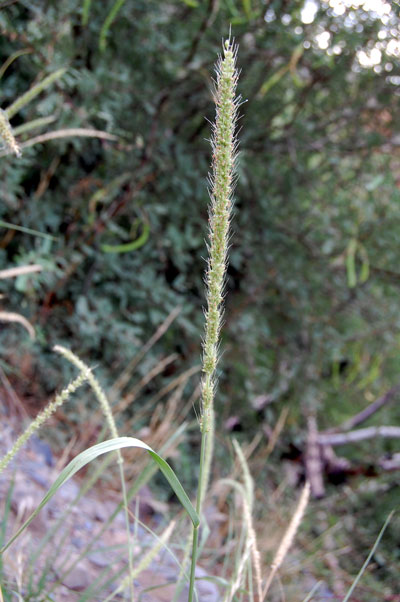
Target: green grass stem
(108,22)
(368,559)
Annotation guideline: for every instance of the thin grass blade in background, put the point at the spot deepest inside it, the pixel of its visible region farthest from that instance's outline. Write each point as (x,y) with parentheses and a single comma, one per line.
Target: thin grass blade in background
(12,58)
(248,516)
(368,559)
(65,133)
(33,125)
(26,98)
(97,450)
(86,11)
(129,246)
(25,230)
(145,560)
(108,22)
(288,536)
(7,316)
(316,587)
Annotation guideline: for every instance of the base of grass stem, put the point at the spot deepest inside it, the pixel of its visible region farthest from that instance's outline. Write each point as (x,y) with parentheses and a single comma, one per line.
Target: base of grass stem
(202,486)
(193,565)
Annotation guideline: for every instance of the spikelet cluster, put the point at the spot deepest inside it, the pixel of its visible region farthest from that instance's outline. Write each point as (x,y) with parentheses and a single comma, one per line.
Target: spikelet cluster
(221,186)
(94,383)
(43,416)
(6,135)
(289,536)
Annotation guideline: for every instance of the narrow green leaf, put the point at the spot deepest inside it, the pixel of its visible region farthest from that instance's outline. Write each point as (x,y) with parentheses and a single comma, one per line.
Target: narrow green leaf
(364,272)
(12,58)
(102,448)
(351,263)
(309,597)
(273,80)
(282,71)
(26,230)
(7,508)
(367,561)
(130,246)
(86,11)
(375,183)
(24,99)
(108,22)
(106,193)
(34,124)
(247,8)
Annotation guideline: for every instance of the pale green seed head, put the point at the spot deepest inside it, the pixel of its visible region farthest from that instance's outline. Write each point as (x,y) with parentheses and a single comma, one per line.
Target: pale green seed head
(7,136)
(223,146)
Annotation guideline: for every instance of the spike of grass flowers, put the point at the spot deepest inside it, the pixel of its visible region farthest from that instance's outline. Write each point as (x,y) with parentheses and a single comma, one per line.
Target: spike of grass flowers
(289,536)
(221,185)
(43,416)
(7,136)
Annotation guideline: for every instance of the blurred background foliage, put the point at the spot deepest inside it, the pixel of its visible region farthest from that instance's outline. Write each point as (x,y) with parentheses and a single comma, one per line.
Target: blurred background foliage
(312,305)
(312,309)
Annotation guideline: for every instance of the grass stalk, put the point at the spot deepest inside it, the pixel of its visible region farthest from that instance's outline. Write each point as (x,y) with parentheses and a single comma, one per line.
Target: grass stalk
(10,226)
(108,22)
(105,406)
(221,183)
(86,12)
(368,559)
(33,125)
(8,62)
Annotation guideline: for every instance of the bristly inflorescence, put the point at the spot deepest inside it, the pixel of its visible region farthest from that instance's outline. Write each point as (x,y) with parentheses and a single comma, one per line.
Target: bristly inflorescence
(43,416)
(221,186)
(7,136)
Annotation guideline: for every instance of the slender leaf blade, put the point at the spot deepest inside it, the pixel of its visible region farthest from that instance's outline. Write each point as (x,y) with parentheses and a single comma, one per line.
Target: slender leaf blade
(93,452)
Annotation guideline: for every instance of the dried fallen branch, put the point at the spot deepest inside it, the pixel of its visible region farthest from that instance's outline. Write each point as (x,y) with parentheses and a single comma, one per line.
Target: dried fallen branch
(390,464)
(362,416)
(332,462)
(371,432)
(313,460)
(320,459)
(19,271)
